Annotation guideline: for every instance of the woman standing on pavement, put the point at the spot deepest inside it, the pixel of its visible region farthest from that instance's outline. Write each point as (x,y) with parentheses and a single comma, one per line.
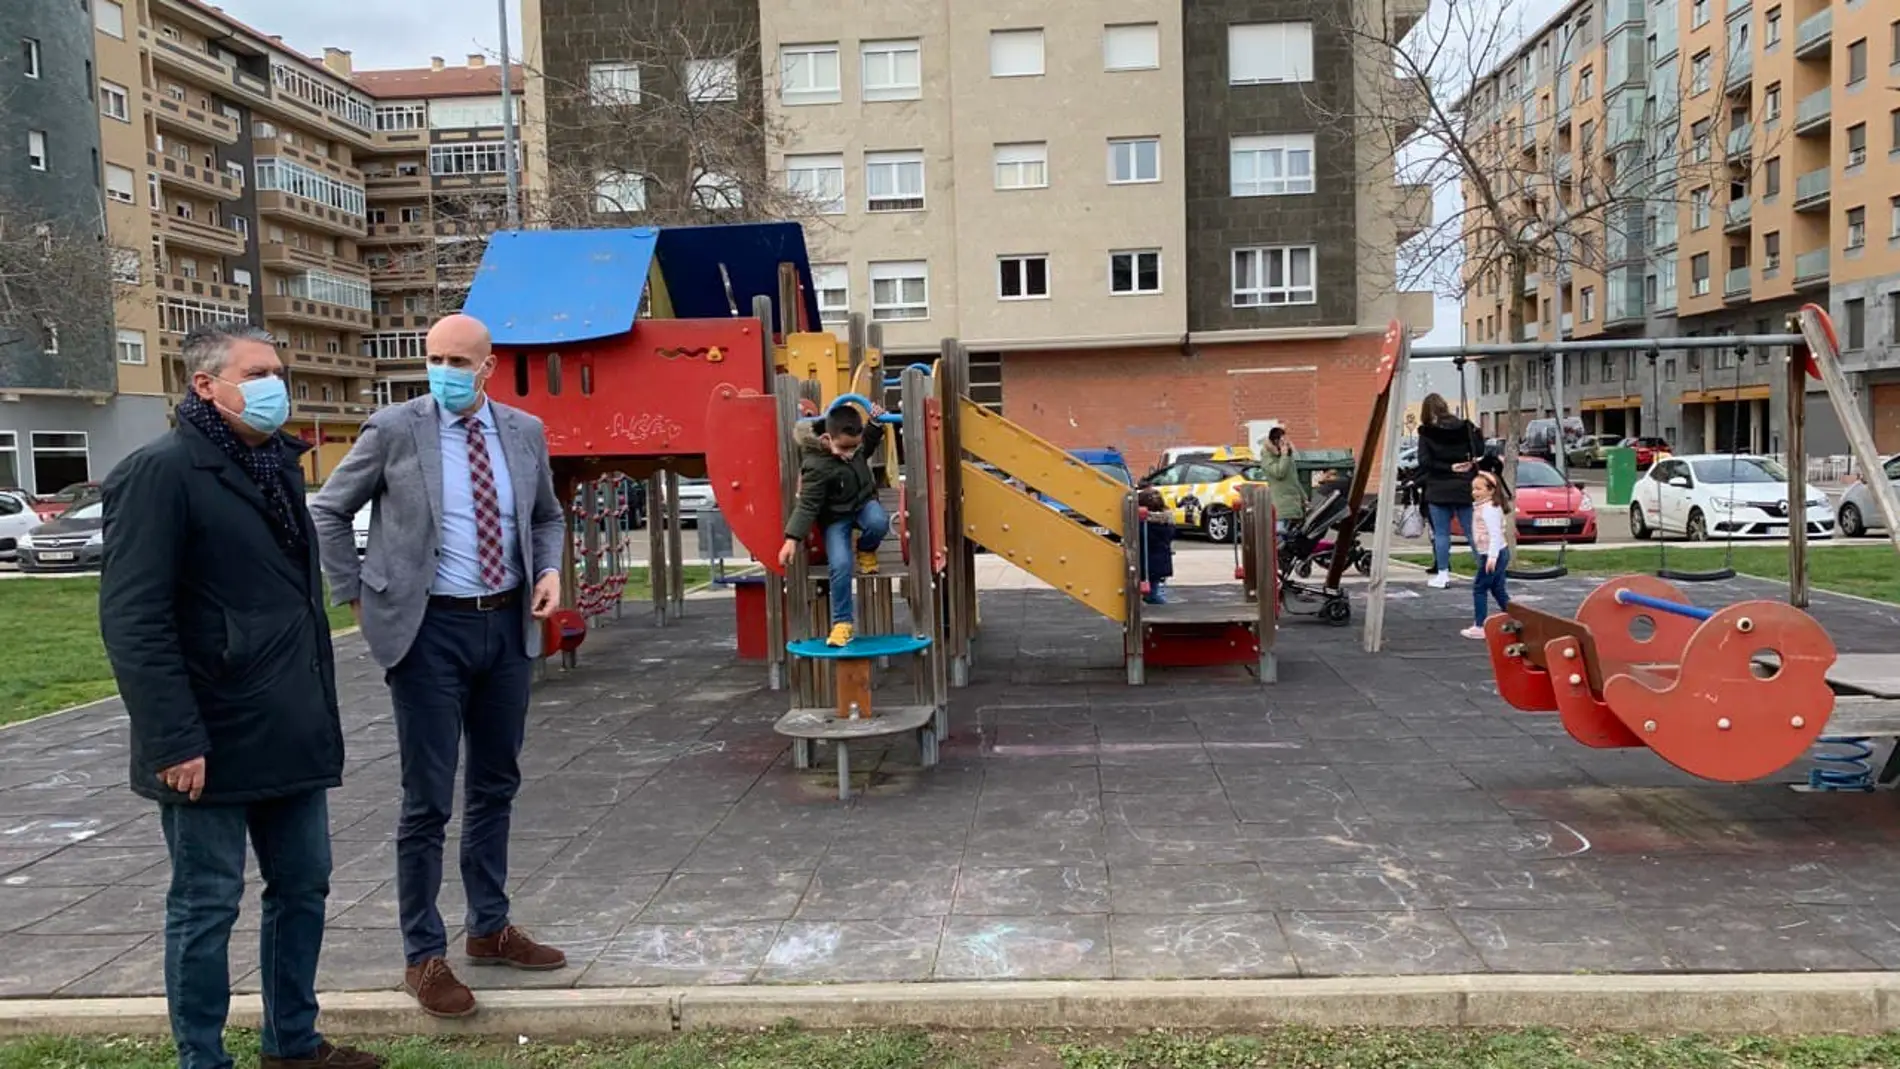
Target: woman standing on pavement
(1283,480)
(1449,448)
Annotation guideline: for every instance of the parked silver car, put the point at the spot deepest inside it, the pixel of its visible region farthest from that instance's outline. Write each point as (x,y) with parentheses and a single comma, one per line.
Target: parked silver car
(1858,512)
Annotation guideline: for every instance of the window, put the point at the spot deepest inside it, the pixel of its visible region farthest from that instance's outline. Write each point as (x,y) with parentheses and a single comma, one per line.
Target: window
(893,70)
(120,184)
(465,113)
(112,102)
(1700,141)
(1699,202)
(1699,13)
(613,84)
(131,347)
(712,80)
(818,179)
(60,458)
(1274,275)
(289,176)
(1699,72)
(900,290)
(1771,29)
(414,215)
(1022,166)
(1015,53)
(1771,179)
(470,157)
(1269,52)
(1134,271)
(1771,103)
(1271,166)
(618,191)
(808,74)
(1134,159)
(1856,145)
(1587,304)
(894,181)
(240,277)
(1586,83)
(36,149)
(1699,275)
(399,116)
(1132,47)
(30,65)
(717,192)
(1856,228)
(1893,226)
(125,266)
(1855,313)
(833,284)
(395,345)
(327,288)
(108,16)
(1022,278)
(1857,62)
(1771,252)
(1893,120)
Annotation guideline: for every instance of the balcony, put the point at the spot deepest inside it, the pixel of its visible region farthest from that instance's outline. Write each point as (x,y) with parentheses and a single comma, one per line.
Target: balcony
(1736,284)
(289,259)
(1625,122)
(196,180)
(1737,215)
(1741,70)
(196,122)
(205,237)
(309,213)
(399,275)
(1414,210)
(1527,137)
(464,228)
(330,411)
(394,233)
(1404,14)
(1532,282)
(1814,112)
(1814,37)
(275,147)
(1812,191)
(458,182)
(316,360)
(238,298)
(316,313)
(1741,141)
(391,184)
(1566,323)
(1528,332)
(1624,13)
(1562,165)
(1412,105)
(201,68)
(1811,268)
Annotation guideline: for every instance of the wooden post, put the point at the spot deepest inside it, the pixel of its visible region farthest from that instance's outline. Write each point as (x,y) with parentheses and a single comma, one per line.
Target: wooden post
(1133,637)
(926,617)
(656,544)
(1260,564)
(797,582)
(675,554)
(775,655)
(959,580)
(791,310)
(1388,498)
(852,681)
(1797,454)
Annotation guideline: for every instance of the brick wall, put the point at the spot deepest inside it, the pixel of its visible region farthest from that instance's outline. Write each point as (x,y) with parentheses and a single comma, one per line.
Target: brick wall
(1142,401)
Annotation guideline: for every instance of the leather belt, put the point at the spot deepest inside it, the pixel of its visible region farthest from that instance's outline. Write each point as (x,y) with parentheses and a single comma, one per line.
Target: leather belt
(507,599)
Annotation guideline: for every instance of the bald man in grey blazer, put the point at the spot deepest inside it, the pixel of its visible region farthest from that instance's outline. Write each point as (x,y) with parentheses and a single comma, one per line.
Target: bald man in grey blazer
(463,562)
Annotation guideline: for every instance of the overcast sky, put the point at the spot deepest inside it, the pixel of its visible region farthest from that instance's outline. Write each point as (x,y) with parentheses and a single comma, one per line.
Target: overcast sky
(405,33)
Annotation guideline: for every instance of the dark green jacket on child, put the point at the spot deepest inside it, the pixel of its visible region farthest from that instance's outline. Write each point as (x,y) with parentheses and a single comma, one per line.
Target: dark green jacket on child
(831,488)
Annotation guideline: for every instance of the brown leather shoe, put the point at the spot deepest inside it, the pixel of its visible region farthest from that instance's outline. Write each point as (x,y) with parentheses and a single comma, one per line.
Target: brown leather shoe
(512,947)
(437,990)
(327,1056)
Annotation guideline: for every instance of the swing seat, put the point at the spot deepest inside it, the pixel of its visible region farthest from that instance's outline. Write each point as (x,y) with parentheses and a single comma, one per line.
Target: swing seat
(1553,571)
(1713,575)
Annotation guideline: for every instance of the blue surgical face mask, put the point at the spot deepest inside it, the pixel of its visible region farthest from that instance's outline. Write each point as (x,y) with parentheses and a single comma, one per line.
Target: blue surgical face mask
(454,388)
(266,403)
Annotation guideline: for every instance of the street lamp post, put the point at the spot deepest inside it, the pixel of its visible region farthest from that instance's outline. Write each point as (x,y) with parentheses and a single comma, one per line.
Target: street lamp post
(508,122)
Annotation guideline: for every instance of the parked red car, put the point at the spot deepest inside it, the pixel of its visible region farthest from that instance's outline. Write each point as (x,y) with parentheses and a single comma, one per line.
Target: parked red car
(1548,508)
(1647,450)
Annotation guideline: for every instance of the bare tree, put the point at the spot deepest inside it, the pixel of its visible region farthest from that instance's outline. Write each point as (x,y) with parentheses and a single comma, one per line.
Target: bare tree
(675,132)
(58,281)
(1564,176)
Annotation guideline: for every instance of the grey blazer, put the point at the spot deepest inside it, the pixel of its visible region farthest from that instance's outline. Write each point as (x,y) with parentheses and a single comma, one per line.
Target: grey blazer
(396,463)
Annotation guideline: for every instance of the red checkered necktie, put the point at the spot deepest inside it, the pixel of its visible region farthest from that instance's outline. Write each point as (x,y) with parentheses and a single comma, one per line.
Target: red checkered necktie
(481,482)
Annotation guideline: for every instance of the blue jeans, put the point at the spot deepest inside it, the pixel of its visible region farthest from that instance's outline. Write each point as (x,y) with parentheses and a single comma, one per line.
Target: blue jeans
(465,679)
(872,524)
(1441,533)
(1490,583)
(206,842)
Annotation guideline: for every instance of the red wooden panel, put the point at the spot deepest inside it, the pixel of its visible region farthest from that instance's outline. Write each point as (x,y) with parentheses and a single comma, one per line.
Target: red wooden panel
(639,394)
(742,465)
(1199,645)
(933,464)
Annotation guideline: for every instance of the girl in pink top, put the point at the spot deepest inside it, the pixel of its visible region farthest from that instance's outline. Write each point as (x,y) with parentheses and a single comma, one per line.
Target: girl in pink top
(1491,504)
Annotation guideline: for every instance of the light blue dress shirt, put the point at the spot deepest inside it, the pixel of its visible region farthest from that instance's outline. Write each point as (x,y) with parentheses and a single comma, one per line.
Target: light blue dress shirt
(458,571)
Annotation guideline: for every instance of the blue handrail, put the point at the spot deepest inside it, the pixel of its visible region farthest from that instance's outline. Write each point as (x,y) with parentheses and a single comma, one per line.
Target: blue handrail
(865,403)
(1676,608)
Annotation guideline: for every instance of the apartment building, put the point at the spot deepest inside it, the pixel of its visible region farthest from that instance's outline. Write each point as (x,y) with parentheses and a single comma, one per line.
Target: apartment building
(1128,211)
(1752,148)
(59,418)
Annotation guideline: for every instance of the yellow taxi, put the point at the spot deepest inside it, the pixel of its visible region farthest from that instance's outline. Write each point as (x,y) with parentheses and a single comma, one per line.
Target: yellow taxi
(1199,490)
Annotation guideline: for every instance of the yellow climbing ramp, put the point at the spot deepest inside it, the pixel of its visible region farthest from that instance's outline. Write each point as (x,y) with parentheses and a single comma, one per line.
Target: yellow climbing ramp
(1016,526)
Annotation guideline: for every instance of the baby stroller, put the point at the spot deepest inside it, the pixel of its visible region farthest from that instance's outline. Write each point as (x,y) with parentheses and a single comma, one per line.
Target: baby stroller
(1301,545)
(1360,557)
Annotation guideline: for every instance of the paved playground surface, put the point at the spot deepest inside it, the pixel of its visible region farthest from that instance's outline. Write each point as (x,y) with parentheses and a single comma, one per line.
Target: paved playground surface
(1368,815)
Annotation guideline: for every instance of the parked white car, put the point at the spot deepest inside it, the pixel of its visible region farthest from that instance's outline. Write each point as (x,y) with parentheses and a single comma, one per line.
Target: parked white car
(16,519)
(1860,514)
(1718,495)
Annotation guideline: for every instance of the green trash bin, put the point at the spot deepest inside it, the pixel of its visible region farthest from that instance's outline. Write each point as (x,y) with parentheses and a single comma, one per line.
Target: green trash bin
(1620,474)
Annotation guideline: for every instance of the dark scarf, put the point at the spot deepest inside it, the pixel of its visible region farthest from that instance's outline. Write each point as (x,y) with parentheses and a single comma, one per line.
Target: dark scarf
(263,463)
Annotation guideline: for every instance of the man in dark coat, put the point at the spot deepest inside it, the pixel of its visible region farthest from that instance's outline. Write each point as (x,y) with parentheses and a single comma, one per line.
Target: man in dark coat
(211,606)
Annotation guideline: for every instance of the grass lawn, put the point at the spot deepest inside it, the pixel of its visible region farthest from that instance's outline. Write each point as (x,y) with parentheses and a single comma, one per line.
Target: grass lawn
(51,656)
(1867,571)
(1294,1048)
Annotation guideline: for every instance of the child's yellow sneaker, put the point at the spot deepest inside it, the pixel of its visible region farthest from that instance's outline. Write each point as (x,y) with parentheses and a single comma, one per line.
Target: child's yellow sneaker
(840,635)
(867,562)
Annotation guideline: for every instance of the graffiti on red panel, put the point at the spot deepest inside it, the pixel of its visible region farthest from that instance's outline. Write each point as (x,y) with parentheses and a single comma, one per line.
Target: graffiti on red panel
(710,354)
(642,428)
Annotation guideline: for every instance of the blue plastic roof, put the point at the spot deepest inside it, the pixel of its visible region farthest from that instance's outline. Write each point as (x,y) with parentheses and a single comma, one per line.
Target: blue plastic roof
(541,287)
(690,258)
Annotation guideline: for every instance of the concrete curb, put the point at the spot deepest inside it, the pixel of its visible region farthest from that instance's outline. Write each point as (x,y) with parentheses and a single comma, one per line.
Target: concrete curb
(1861,1003)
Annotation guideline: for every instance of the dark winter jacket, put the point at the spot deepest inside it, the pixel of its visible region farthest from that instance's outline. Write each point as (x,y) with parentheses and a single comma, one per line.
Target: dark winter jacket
(831,489)
(217,635)
(1442,446)
(1157,549)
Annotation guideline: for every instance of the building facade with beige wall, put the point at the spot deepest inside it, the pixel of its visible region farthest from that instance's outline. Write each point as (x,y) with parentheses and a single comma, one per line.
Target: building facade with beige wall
(1767,138)
(1047,186)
